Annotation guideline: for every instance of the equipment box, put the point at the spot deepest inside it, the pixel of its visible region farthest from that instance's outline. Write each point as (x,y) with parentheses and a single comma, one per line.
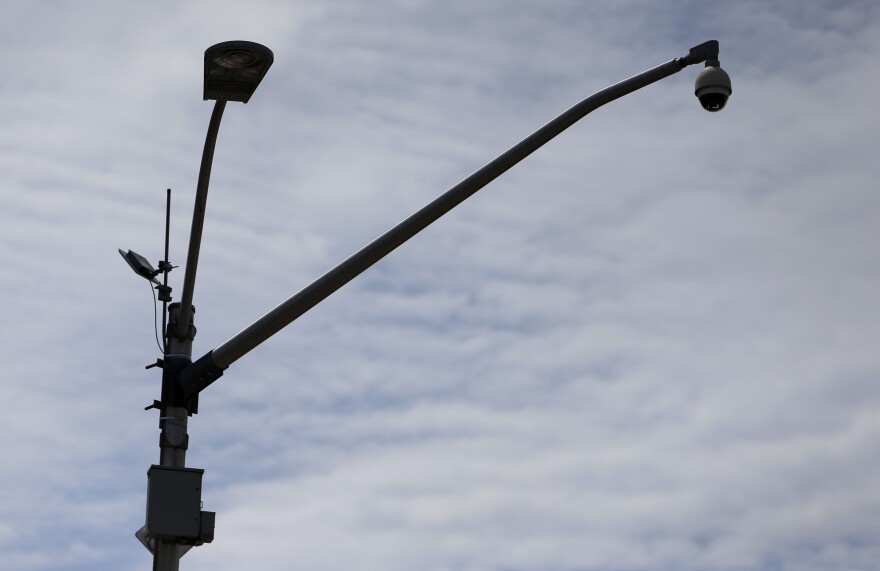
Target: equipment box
(174,503)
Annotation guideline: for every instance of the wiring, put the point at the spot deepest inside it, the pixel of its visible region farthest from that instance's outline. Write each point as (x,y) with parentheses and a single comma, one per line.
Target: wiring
(156,317)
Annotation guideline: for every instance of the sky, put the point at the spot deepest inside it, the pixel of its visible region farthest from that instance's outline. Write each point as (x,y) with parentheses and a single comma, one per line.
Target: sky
(650,346)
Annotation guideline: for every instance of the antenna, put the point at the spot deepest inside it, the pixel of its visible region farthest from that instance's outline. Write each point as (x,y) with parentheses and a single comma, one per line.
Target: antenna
(165,267)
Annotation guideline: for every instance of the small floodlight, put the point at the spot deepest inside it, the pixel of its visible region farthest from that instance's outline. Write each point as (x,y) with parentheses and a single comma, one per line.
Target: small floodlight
(140,265)
(233,70)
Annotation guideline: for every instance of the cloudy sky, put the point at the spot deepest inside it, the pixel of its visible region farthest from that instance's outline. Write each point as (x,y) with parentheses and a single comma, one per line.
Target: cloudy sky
(651,346)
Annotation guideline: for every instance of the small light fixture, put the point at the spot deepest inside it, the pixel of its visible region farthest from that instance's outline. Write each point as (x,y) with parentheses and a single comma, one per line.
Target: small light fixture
(141,265)
(233,70)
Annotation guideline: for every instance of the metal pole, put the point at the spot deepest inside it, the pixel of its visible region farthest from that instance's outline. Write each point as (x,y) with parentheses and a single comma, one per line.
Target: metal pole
(195,235)
(173,437)
(175,409)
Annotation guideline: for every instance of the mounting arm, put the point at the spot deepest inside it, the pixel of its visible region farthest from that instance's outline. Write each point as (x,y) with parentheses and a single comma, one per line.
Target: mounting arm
(210,367)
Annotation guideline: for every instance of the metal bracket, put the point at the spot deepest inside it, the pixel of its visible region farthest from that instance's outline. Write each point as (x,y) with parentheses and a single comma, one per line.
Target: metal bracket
(705,51)
(165,442)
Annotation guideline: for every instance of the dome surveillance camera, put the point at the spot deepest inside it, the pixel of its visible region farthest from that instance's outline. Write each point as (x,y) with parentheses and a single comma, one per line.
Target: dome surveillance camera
(713,87)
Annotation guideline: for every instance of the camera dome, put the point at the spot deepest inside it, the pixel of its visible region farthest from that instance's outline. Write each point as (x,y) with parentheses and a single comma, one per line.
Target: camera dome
(713,87)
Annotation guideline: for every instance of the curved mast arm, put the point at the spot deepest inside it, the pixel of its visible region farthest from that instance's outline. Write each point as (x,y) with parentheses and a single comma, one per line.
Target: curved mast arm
(198,222)
(210,367)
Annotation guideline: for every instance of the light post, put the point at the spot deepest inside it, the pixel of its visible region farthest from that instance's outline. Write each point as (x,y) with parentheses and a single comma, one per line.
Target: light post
(175,521)
(232,72)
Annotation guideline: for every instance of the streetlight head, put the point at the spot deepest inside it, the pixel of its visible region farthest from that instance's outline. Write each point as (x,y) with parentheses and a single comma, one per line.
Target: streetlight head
(713,86)
(233,70)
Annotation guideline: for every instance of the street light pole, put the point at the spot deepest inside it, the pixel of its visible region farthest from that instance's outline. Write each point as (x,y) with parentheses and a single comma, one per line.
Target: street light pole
(232,72)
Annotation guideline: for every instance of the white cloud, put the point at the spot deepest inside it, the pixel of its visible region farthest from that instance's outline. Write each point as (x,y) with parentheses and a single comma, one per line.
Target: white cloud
(649,346)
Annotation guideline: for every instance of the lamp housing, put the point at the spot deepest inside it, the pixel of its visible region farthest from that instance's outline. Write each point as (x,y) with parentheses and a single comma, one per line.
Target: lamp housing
(233,70)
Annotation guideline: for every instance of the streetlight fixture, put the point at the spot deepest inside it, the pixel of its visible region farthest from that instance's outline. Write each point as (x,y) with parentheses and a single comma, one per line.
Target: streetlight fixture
(233,70)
